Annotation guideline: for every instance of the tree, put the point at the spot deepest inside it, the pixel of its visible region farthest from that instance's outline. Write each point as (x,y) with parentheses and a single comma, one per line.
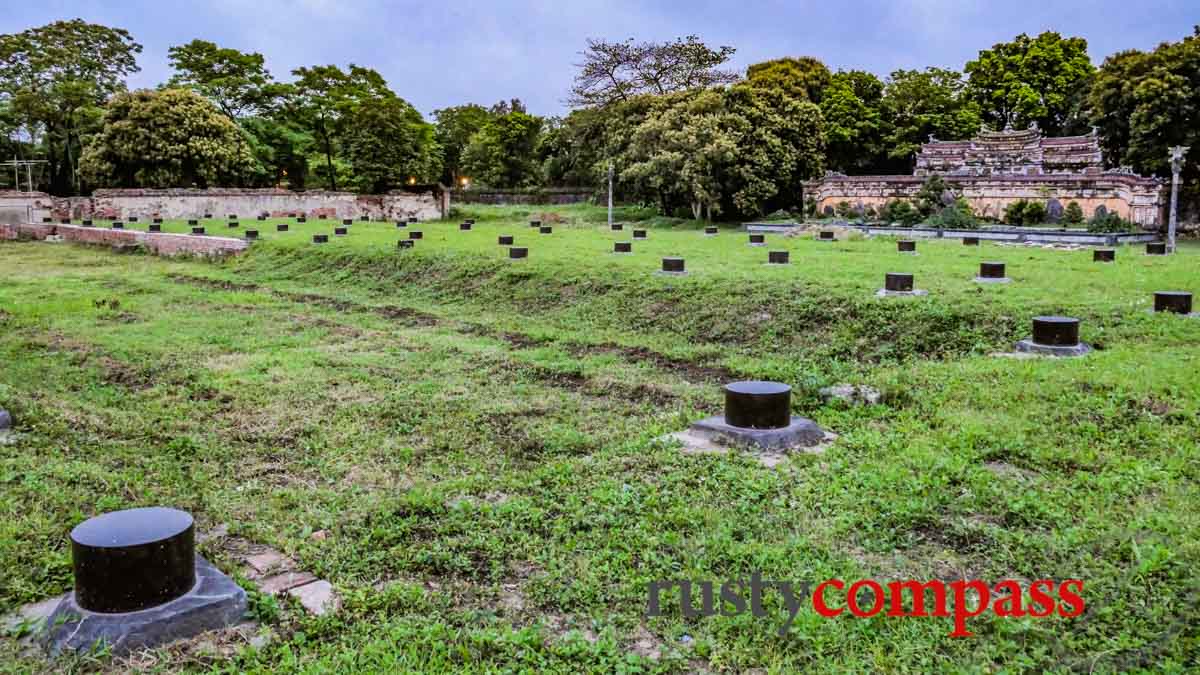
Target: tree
(235,81)
(920,104)
(1145,102)
(571,149)
(804,78)
(321,95)
(852,107)
(56,78)
(453,130)
(1073,214)
(162,139)
(388,144)
(501,155)
(1031,80)
(782,145)
(618,71)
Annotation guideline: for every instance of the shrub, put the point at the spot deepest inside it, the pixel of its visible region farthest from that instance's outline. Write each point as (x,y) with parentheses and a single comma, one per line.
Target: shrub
(1108,221)
(931,197)
(1073,213)
(1035,213)
(1014,213)
(845,210)
(904,213)
(957,216)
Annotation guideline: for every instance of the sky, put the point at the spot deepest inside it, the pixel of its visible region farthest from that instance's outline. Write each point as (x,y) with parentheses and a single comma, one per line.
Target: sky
(439,54)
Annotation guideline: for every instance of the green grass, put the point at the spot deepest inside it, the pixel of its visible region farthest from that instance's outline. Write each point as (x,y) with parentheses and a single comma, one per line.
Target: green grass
(479,438)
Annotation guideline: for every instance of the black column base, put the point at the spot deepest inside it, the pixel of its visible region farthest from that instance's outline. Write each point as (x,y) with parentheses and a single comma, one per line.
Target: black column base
(216,601)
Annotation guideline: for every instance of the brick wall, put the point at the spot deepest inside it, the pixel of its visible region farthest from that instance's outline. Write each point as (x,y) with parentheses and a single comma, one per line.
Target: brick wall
(157,243)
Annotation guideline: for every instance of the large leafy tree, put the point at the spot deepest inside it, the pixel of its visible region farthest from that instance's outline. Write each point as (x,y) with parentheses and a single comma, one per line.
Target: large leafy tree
(501,154)
(388,144)
(320,98)
(922,103)
(1032,80)
(804,78)
(55,78)
(617,71)
(781,145)
(1145,102)
(453,130)
(571,149)
(237,82)
(166,138)
(855,124)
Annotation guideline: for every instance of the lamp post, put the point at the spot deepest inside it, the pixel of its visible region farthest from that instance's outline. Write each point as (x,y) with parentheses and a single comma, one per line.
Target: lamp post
(610,182)
(1177,154)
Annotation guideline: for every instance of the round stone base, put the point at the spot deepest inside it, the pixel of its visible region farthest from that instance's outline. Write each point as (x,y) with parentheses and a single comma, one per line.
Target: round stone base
(759,243)
(993,280)
(801,432)
(885,293)
(671,274)
(1028,346)
(216,601)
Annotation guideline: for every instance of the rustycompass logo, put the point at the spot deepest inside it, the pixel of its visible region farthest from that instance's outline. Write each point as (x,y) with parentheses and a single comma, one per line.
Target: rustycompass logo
(866,598)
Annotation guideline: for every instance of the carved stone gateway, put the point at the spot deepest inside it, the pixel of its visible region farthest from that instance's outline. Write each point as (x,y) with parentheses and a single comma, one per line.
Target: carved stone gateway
(997,168)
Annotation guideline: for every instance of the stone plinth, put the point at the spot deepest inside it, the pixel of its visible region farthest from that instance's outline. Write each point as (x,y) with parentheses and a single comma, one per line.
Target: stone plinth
(139,583)
(1054,336)
(758,415)
(546,229)
(673,266)
(464,227)
(1104,255)
(1156,248)
(518,253)
(505,240)
(899,284)
(1176,302)
(639,234)
(970,241)
(827,235)
(992,273)
(758,240)
(906,246)
(711,231)
(281,227)
(320,238)
(416,234)
(778,258)
(622,247)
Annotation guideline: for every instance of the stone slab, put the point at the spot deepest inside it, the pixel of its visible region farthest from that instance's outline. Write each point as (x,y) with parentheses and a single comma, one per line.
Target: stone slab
(1028,346)
(317,597)
(5,420)
(992,280)
(216,601)
(885,293)
(802,432)
(695,444)
(281,583)
(268,561)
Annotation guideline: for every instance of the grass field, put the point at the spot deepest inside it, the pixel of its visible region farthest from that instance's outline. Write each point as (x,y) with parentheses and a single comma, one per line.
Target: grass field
(479,441)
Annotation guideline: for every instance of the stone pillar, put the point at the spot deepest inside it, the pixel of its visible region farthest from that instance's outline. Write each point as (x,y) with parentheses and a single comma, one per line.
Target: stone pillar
(1177,154)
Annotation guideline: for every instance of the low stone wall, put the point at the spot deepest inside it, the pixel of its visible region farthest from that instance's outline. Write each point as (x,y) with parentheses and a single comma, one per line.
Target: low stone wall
(159,243)
(1139,200)
(525,197)
(427,202)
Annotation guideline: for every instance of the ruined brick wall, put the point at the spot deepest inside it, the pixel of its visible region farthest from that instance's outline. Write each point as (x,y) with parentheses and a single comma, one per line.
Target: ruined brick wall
(525,197)
(426,204)
(157,243)
(1137,199)
(25,207)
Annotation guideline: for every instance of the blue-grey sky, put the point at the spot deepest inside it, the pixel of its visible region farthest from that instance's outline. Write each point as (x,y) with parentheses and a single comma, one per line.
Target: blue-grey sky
(437,54)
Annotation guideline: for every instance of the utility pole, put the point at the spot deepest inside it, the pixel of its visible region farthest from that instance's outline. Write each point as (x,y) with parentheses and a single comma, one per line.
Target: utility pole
(610,181)
(1177,154)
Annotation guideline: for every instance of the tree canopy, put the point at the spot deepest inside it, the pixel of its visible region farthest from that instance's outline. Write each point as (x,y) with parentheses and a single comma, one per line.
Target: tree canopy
(166,138)
(1030,80)
(616,71)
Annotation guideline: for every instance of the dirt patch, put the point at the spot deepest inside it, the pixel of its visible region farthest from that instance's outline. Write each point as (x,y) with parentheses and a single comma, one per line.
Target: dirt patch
(406,315)
(686,370)
(112,371)
(214,284)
